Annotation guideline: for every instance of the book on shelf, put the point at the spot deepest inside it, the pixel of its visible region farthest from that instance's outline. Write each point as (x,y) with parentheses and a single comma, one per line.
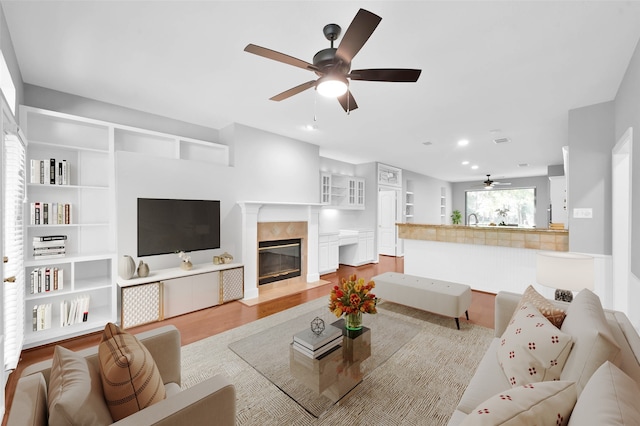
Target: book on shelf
(49,244)
(315,354)
(74,311)
(41,317)
(313,341)
(49,172)
(49,238)
(50,213)
(46,279)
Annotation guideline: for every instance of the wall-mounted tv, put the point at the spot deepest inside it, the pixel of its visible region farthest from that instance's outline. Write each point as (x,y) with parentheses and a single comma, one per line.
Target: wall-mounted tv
(169,225)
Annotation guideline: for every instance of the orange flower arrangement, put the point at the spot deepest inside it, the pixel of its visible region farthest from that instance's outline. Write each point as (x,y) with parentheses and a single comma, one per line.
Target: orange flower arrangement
(353,296)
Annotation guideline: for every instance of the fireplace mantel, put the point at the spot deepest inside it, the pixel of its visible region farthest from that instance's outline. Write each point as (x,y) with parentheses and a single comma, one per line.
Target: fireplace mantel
(254,212)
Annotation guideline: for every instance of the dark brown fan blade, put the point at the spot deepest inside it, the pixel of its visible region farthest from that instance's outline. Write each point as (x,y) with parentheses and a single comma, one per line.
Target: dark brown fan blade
(293,91)
(347,101)
(357,35)
(386,74)
(280,57)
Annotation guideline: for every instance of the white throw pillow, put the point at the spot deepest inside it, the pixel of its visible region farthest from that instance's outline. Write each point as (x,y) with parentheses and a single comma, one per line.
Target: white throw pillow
(593,340)
(609,398)
(544,403)
(532,349)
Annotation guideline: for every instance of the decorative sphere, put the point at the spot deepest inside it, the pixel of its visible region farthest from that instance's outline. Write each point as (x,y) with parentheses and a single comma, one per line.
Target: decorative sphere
(317,325)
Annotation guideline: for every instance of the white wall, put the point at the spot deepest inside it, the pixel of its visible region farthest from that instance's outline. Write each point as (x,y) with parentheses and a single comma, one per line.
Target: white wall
(145,176)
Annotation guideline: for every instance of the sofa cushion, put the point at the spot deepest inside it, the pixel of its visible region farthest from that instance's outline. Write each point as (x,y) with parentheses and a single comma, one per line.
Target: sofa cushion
(546,307)
(75,391)
(130,379)
(593,340)
(531,348)
(609,398)
(544,403)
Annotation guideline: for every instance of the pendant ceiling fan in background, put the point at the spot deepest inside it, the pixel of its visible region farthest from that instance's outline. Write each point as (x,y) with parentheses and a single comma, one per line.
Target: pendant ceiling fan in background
(490,184)
(333,65)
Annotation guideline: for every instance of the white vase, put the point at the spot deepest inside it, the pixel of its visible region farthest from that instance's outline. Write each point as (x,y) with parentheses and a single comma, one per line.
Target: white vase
(127,267)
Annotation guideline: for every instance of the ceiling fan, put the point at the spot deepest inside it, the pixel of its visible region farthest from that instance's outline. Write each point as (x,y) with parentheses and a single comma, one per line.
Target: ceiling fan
(333,65)
(489,184)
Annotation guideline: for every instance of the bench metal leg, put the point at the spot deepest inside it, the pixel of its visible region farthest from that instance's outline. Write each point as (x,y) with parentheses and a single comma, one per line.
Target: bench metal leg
(467,314)
(458,323)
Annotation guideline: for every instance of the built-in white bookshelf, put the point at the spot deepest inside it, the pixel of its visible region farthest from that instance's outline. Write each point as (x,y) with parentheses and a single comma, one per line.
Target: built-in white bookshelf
(88,263)
(409,202)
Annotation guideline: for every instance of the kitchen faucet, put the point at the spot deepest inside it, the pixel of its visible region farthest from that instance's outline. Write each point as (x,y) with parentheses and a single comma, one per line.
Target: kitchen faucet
(469,219)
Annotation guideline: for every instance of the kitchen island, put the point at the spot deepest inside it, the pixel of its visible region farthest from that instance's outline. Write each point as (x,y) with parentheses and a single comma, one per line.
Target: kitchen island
(491,258)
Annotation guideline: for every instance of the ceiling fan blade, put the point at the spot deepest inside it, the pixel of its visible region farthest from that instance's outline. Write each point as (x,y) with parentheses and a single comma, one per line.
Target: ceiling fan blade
(347,101)
(357,34)
(280,57)
(293,91)
(386,74)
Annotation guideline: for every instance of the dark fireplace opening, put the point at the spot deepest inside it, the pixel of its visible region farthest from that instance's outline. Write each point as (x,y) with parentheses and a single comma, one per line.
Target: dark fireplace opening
(278,260)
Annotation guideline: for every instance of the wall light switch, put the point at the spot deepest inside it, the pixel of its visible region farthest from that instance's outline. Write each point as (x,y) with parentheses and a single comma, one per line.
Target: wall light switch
(586,213)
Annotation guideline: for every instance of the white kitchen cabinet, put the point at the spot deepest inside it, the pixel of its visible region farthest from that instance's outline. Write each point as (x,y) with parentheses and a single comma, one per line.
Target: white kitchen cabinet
(325,188)
(328,253)
(356,247)
(342,191)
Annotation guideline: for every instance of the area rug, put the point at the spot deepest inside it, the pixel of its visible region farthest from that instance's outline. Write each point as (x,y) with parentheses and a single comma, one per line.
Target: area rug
(420,384)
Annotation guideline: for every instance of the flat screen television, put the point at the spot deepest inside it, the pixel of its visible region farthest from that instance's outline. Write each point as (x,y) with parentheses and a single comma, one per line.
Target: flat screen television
(169,225)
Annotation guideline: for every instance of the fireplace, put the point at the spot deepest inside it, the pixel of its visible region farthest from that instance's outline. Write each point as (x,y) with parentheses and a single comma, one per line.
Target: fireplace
(279,260)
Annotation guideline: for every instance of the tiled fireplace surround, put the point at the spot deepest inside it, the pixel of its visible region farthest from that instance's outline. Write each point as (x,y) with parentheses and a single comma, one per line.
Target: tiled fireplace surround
(268,221)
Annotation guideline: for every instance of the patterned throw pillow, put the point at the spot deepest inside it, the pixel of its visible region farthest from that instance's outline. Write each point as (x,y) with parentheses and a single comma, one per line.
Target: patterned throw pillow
(546,307)
(545,403)
(130,378)
(532,349)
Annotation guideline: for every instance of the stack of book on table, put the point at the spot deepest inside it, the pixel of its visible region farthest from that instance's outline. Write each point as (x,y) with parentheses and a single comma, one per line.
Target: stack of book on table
(315,345)
(49,246)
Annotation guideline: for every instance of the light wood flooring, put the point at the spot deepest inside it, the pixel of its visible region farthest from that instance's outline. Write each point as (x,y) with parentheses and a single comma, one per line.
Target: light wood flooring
(208,322)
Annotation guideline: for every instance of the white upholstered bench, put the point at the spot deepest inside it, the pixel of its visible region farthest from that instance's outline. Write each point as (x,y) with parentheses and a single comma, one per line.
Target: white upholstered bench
(439,297)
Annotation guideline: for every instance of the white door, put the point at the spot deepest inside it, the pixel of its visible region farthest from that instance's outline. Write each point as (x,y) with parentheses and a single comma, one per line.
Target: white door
(387,218)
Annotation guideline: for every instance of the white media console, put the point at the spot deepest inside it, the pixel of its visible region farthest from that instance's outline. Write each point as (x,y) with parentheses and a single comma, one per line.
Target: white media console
(171,292)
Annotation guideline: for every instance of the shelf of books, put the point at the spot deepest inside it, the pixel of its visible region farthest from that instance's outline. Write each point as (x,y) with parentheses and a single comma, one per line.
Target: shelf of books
(70,226)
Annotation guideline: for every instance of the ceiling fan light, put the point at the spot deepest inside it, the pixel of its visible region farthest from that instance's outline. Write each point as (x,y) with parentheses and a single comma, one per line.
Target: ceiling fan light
(332,86)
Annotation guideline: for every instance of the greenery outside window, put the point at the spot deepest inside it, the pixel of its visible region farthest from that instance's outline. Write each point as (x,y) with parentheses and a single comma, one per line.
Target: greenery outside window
(505,207)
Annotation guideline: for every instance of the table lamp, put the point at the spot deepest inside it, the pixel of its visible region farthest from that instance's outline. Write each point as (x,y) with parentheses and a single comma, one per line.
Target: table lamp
(564,271)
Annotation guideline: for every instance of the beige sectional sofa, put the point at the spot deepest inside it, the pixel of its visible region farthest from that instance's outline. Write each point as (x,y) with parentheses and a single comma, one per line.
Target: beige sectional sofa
(601,373)
(199,405)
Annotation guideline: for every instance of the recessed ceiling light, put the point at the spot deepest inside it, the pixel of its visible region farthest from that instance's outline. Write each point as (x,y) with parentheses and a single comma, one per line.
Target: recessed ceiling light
(427,143)
(474,167)
(464,163)
(523,165)
(311,127)
(463,142)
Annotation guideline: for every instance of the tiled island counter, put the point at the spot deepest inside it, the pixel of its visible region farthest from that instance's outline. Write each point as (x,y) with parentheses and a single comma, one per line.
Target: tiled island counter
(489,258)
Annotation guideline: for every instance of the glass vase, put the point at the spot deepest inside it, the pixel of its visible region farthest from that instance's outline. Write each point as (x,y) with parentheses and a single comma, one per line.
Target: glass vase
(353,321)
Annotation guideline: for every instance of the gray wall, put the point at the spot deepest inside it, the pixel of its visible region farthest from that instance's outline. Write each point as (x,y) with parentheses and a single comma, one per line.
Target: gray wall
(6,45)
(54,100)
(591,138)
(541,183)
(627,114)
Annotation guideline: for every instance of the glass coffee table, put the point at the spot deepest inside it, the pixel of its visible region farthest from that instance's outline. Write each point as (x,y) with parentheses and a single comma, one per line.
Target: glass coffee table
(318,384)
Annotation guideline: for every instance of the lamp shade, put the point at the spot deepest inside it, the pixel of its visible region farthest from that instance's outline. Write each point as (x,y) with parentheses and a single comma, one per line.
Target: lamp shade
(563,270)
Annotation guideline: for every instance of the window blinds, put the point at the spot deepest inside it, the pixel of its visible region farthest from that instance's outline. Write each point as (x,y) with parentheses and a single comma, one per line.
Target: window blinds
(14,292)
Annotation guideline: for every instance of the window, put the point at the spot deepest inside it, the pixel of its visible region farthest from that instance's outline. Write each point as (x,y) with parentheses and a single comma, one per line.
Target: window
(511,207)
(14,291)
